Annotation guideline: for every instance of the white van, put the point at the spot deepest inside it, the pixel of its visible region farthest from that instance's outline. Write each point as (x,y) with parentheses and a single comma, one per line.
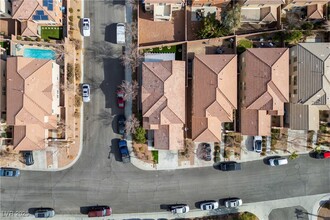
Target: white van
(120,33)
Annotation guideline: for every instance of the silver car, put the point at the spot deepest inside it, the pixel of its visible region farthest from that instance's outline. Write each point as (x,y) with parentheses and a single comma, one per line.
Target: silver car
(179,209)
(209,205)
(44,213)
(278,161)
(234,202)
(86,27)
(86,92)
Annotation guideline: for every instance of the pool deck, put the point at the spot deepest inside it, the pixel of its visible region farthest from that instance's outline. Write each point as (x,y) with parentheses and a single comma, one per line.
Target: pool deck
(28,44)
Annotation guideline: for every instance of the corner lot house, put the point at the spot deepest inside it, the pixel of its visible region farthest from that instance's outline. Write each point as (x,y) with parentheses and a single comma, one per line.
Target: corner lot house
(32,101)
(264,89)
(163,103)
(309,84)
(214,95)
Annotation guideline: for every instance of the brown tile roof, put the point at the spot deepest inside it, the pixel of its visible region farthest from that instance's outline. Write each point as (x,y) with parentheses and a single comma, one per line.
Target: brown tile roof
(265,72)
(315,11)
(29,28)
(29,104)
(214,95)
(163,102)
(260,2)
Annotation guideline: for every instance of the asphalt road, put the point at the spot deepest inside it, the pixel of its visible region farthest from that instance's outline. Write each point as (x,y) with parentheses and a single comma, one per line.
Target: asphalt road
(99,177)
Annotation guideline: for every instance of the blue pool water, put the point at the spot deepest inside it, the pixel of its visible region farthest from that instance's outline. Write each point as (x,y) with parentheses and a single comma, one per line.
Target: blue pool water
(39,54)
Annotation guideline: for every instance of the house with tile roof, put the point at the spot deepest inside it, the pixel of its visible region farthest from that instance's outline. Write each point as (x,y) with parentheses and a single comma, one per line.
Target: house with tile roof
(264,77)
(214,95)
(32,101)
(260,11)
(34,13)
(163,103)
(311,10)
(309,84)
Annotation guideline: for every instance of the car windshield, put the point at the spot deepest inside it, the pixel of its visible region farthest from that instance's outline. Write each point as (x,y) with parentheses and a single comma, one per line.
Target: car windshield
(86,26)
(276,162)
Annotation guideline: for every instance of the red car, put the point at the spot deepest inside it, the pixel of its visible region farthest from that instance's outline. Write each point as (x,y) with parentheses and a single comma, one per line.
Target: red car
(120,99)
(99,211)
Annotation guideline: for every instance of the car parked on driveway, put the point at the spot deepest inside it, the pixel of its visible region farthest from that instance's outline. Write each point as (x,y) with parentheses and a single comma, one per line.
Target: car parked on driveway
(86,27)
(257,144)
(209,205)
(233,202)
(44,213)
(124,151)
(322,154)
(277,161)
(120,99)
(230,166)
(9,172)
(28,158)
(179,209)
(99,211)
(121,124)
(86,92)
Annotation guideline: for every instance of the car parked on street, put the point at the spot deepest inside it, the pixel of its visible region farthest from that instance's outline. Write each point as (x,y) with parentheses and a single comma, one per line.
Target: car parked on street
(28,158)
(121,124)
(99,211)
(233,202)
(179,209)
(120,99)
(209,205)
(322,154)
(9,172)
(86,27)
(124,151)
(44,213)
(230,166)
(257,144)
(86,92)
(277,161)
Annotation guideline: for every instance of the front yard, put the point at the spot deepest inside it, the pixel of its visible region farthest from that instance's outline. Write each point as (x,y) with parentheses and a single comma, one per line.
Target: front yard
(52,32)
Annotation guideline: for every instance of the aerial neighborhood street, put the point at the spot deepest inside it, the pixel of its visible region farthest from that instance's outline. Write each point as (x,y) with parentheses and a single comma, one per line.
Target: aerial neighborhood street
(165,109)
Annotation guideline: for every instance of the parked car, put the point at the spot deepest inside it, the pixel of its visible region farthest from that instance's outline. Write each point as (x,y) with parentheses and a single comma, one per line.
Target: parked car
(86,27)
(209,205)
(124,151)
(121,124)
(99,211)
(179,209)
(120,33)
(120,99)
(257,144)
(28,158)
(277,161)
(233,202)
(10,172)
(44,213)
(86,92)
(323,154)
(230,166)
(206,151)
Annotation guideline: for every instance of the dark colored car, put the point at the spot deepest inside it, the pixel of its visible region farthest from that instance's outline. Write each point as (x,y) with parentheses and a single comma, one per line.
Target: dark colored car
(28,158)
(206,149)
(230,166)
(44,213)
(323,154)
(121,124)
(124,151)
(99,211)
(10,172)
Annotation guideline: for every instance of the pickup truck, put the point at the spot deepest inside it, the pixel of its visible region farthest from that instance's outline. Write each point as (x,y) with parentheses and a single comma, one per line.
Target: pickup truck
(124,151)
(230,166)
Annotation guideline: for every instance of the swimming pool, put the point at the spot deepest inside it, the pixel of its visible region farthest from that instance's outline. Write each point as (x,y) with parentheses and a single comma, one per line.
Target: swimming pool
(39,54)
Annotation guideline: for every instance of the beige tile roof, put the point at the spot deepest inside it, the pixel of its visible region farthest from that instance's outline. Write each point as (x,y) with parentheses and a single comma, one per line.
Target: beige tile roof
(29,105)
(25,9)
(214,95)
(266,78)
(29,28)
(315,11)
(163,102)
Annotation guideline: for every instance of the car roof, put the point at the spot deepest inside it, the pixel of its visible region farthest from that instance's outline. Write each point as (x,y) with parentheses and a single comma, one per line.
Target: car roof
(327,154)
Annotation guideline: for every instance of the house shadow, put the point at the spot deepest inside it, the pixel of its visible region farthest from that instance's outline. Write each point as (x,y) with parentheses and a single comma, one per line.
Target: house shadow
(114,149)
(110,34)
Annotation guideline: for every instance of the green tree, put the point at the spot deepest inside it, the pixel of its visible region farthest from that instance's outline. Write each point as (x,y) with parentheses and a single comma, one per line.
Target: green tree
(140,135)
(247,216)
(231,19)
(211,27)
(293,36)
(307,26)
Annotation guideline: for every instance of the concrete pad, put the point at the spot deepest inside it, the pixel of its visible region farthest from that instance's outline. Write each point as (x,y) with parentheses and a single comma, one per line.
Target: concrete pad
(167,159)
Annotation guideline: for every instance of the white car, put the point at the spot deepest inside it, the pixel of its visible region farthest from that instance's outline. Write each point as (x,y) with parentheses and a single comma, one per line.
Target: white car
(120,33)
(86,92)
(179,209)
(277,161)
(209,205)
(86,27)
(257,144)
(235,202)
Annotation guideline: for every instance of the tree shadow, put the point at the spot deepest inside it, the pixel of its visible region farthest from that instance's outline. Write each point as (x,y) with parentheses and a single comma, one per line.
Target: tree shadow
(100,51)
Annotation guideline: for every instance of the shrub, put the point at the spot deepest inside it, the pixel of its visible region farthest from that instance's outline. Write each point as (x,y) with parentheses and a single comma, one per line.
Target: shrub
(78,10)
(294,156)
(19,37)
(47,40)
(78,17)
(38,39)
(243,44)
(71,18)
(307,26)
(77,101)
(77,44)
(69,74)
(140,135)
(71,10)
(77,72)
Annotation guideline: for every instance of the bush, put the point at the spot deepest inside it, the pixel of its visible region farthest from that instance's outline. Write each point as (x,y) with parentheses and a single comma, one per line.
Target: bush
(293,36)
(77,44)
(47,40)
(71,10)
(70,23)
(77,101)
(140,135)
(78,17)
(77,72)
(71,18)
(242,45)
(307,26)
(19,37)
(69,74)
(38,39)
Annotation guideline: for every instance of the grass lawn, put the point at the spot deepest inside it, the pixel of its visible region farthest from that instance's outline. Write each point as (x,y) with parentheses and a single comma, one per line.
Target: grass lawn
(243,44)
(52,32)
(155,155)
(177,49)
